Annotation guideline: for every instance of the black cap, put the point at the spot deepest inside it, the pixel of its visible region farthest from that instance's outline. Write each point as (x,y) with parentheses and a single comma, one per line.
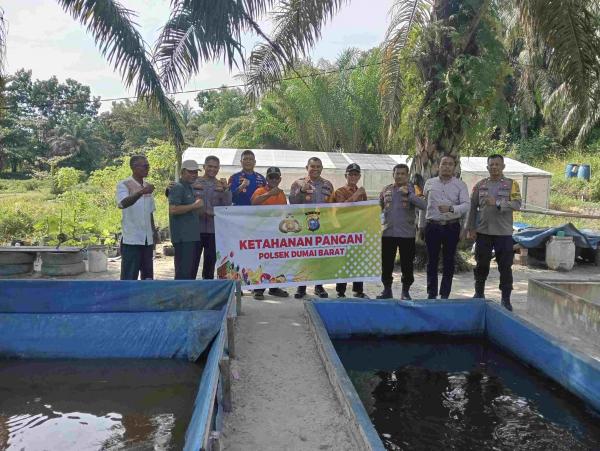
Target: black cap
(273,171)
(353,167)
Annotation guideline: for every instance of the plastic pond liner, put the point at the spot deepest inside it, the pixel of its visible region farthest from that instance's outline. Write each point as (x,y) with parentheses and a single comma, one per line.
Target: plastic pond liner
(150,339)
(397,347)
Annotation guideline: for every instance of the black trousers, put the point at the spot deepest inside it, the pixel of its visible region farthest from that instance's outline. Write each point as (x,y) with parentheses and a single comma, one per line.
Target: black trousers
(136,260)
(406,247)
(357,287)
(503,247)
(187,259)
(208,246)
(442,238)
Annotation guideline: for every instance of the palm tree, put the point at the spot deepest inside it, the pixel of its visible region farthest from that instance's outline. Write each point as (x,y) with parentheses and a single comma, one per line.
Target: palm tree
(119,41)
(561,43)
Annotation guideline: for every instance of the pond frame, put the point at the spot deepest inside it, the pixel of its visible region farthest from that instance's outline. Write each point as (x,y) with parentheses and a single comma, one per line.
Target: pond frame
(573,370)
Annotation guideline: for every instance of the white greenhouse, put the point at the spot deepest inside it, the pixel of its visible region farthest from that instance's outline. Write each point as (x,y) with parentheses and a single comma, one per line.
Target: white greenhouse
(376,169)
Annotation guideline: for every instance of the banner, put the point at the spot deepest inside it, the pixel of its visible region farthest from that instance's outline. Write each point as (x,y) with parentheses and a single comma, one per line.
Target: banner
(290,245)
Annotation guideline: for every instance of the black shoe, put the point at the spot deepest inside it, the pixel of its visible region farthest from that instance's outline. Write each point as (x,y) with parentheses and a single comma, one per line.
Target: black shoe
(320,291)
(443,297)
(479,295)
(506,304)
(432,296)
(386,294)
(405,296)
(361,295)
(299,294)
(278,292)
(341,295)
(259,296)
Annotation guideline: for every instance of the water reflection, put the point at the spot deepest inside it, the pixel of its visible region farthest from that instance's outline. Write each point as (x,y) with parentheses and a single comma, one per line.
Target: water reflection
(453,393)
(96,404)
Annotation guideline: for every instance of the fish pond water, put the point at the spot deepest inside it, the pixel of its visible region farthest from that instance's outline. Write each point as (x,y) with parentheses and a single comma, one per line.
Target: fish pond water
(427,392)
(100,404)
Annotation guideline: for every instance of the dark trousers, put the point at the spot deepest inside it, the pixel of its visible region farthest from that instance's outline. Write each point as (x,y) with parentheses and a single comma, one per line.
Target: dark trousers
(503,246)
(136,260)
(208,246)
(357,287)
(187,259)
(302,288)
(442,238)
(406,247)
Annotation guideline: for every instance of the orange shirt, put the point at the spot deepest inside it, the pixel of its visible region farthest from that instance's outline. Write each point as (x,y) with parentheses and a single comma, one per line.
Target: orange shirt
(280,199)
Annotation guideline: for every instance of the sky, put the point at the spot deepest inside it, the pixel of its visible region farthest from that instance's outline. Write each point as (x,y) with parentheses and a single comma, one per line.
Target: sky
(46,40)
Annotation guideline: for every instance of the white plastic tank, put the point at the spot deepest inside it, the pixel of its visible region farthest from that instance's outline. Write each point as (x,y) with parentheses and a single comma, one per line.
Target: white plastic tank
(97,259)
(560,253)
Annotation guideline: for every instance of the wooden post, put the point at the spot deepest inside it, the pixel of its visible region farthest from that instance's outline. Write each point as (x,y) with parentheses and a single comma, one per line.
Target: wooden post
(225,368)
(231,336)
(238,297)
(214,441)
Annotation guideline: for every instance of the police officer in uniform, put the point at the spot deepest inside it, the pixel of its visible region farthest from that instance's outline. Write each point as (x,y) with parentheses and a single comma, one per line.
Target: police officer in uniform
(493,201)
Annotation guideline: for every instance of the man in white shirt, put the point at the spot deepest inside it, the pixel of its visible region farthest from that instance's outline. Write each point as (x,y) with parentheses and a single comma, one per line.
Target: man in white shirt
(448,201)
(134,197)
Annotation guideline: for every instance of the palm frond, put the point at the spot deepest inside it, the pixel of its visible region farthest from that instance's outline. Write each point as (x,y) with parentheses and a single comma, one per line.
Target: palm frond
(202,30)
(297,27)
(570,29)
(405,14)
(120,42)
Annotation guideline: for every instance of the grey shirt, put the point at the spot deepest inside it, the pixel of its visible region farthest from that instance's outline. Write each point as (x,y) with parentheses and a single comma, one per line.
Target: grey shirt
(494,219)
(452,192)
(322,192)
(185,227)
(205,188)
(399,213)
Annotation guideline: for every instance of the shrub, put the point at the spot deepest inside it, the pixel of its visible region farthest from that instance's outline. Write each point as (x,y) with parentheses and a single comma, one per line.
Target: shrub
(536,149)
(15,224)
(64,179)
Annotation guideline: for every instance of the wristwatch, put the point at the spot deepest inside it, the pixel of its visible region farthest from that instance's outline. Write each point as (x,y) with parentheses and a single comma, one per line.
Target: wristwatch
(451,208)
(498,204)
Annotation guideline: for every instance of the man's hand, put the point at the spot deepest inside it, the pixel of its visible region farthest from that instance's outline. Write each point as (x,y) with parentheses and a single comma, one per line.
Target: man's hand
(471,234)
(360,192)
(244,184)
(147,189)
(444,208)
(403,189)
(221,185)
(275,191)
(307,188)
(490,201)
(198,204)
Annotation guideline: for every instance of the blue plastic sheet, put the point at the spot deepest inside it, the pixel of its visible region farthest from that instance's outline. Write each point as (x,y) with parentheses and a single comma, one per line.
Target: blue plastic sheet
(110,319)
(344,318)
(531,238)
(56,296)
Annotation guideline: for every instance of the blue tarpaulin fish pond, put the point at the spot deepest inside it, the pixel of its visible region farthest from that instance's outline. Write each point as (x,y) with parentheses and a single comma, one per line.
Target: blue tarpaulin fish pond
(82,319)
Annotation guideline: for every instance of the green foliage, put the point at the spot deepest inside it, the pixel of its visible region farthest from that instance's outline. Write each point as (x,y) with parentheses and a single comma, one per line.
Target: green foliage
(536,149)
(64,179)
(15,224)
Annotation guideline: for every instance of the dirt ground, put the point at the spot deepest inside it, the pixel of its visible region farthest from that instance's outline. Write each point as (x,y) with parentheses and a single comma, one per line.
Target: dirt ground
(282,399)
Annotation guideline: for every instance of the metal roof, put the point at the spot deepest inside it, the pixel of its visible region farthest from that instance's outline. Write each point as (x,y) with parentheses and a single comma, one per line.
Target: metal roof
(339,160)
